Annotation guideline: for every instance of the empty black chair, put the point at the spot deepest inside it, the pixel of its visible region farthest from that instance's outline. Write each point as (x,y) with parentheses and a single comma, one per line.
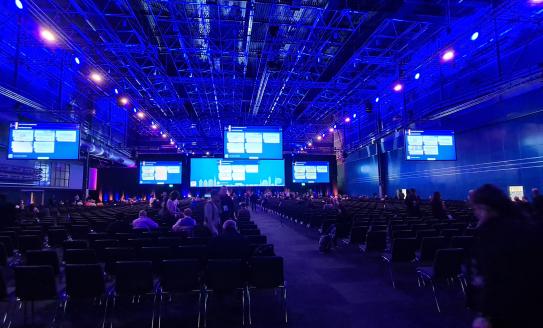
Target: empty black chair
(266,272)
(135,278)
(250,232)
(3,256)
(55,237)
(8,244)
(426,233)
(155,255)
(224,276)
(139,242)
(80,256)
(85,282)
(375,241)
(43,257)
(190,252)
(358,234)
(403,250)
(169,241)
(75,244)
(101,244)
(35,283)
(447,266)
(257,239)
(403,234)
(79,231)
(114,254)
(464,242)
(196,241)
(30,242)
(181,277)
(429,247)
(448,233)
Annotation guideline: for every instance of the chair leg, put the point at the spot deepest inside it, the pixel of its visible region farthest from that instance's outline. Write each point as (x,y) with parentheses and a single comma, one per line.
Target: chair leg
(390,273)
(285,302)
(105,311)
(248,305)
(243,307)
(154,310)
(205,308)
(435,295)
(199,307)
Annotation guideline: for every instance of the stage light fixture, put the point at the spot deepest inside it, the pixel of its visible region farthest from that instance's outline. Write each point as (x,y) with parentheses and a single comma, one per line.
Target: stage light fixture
(19,4)
(331,129)
(417,76)
(398,87)
(77,61)
(347,119)
(140,114)
(474,36)
(47,35)
(448,55)
(377,99)
(96,77)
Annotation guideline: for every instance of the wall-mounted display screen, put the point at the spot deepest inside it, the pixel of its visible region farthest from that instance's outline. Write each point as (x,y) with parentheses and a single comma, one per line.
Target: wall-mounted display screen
(251,142)
(160,172)
(217,172)
(43,141)
(430,145)
(310,172)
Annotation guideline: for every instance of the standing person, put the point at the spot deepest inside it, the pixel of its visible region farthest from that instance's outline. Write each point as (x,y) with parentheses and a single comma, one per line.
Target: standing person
(401,195)
(254,200)
(243,213)
(227,205)
(537,204)
(172,210)
(438,206)
(212,214)
(505,267)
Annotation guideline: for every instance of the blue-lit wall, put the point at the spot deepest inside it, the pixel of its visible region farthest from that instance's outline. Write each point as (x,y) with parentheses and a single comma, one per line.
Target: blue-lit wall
(500,142)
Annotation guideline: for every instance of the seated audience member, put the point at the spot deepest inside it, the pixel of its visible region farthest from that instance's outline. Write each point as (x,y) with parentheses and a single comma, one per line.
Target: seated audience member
(243,213)
(186,223)
(230,244)
(537,204)
(144,222)
(120,224)
(504,273)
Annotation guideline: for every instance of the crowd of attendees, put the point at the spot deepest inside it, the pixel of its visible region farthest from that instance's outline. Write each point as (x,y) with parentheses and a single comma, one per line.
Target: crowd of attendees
(504,268)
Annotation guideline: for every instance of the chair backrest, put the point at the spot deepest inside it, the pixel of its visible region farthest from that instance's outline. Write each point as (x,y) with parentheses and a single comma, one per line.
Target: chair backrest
(464,242)
(114,254)
(155,254)
(376,241)
(196,241)
(30,242)
(55,237)
(266,271)
(404,234)
(178,276)
(261,239)
(75,244)
(8,244)
(133,277)
(84,280)
(80,256)
(403,249)
(43,257)
(35,282)
(190,252)
(429,246)
(448,263)
(169,241)
(3,255)
(139,242)
(224,275)
(3,287)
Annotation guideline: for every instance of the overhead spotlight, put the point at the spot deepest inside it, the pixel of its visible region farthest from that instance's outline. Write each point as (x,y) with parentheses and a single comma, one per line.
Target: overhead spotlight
(192,152)
(447,55)
(47,35)
(377,99)
(116,91)
(475,35)
(172,142)
(417,76)
(19,4)
(77,61)
(310,144)
(347,119)
(536,2)
(331,129)
(123,100)
(319,138)
(135,110)
(398,87)
(140,114)
(164,135)
(335,126)
(354,115)
(96,77)
(154,126)
(207,153)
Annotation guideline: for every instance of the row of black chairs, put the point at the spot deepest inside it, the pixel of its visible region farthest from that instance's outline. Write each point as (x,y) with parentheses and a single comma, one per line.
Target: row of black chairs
(135,279)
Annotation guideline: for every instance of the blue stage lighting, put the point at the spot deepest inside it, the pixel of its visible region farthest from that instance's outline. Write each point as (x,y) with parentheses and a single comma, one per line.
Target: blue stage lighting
(19,4)
(417,76)
(77,61)
(474,36)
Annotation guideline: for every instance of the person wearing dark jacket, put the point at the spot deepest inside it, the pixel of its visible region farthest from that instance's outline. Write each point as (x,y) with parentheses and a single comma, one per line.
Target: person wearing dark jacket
(504,271)
(230,244)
